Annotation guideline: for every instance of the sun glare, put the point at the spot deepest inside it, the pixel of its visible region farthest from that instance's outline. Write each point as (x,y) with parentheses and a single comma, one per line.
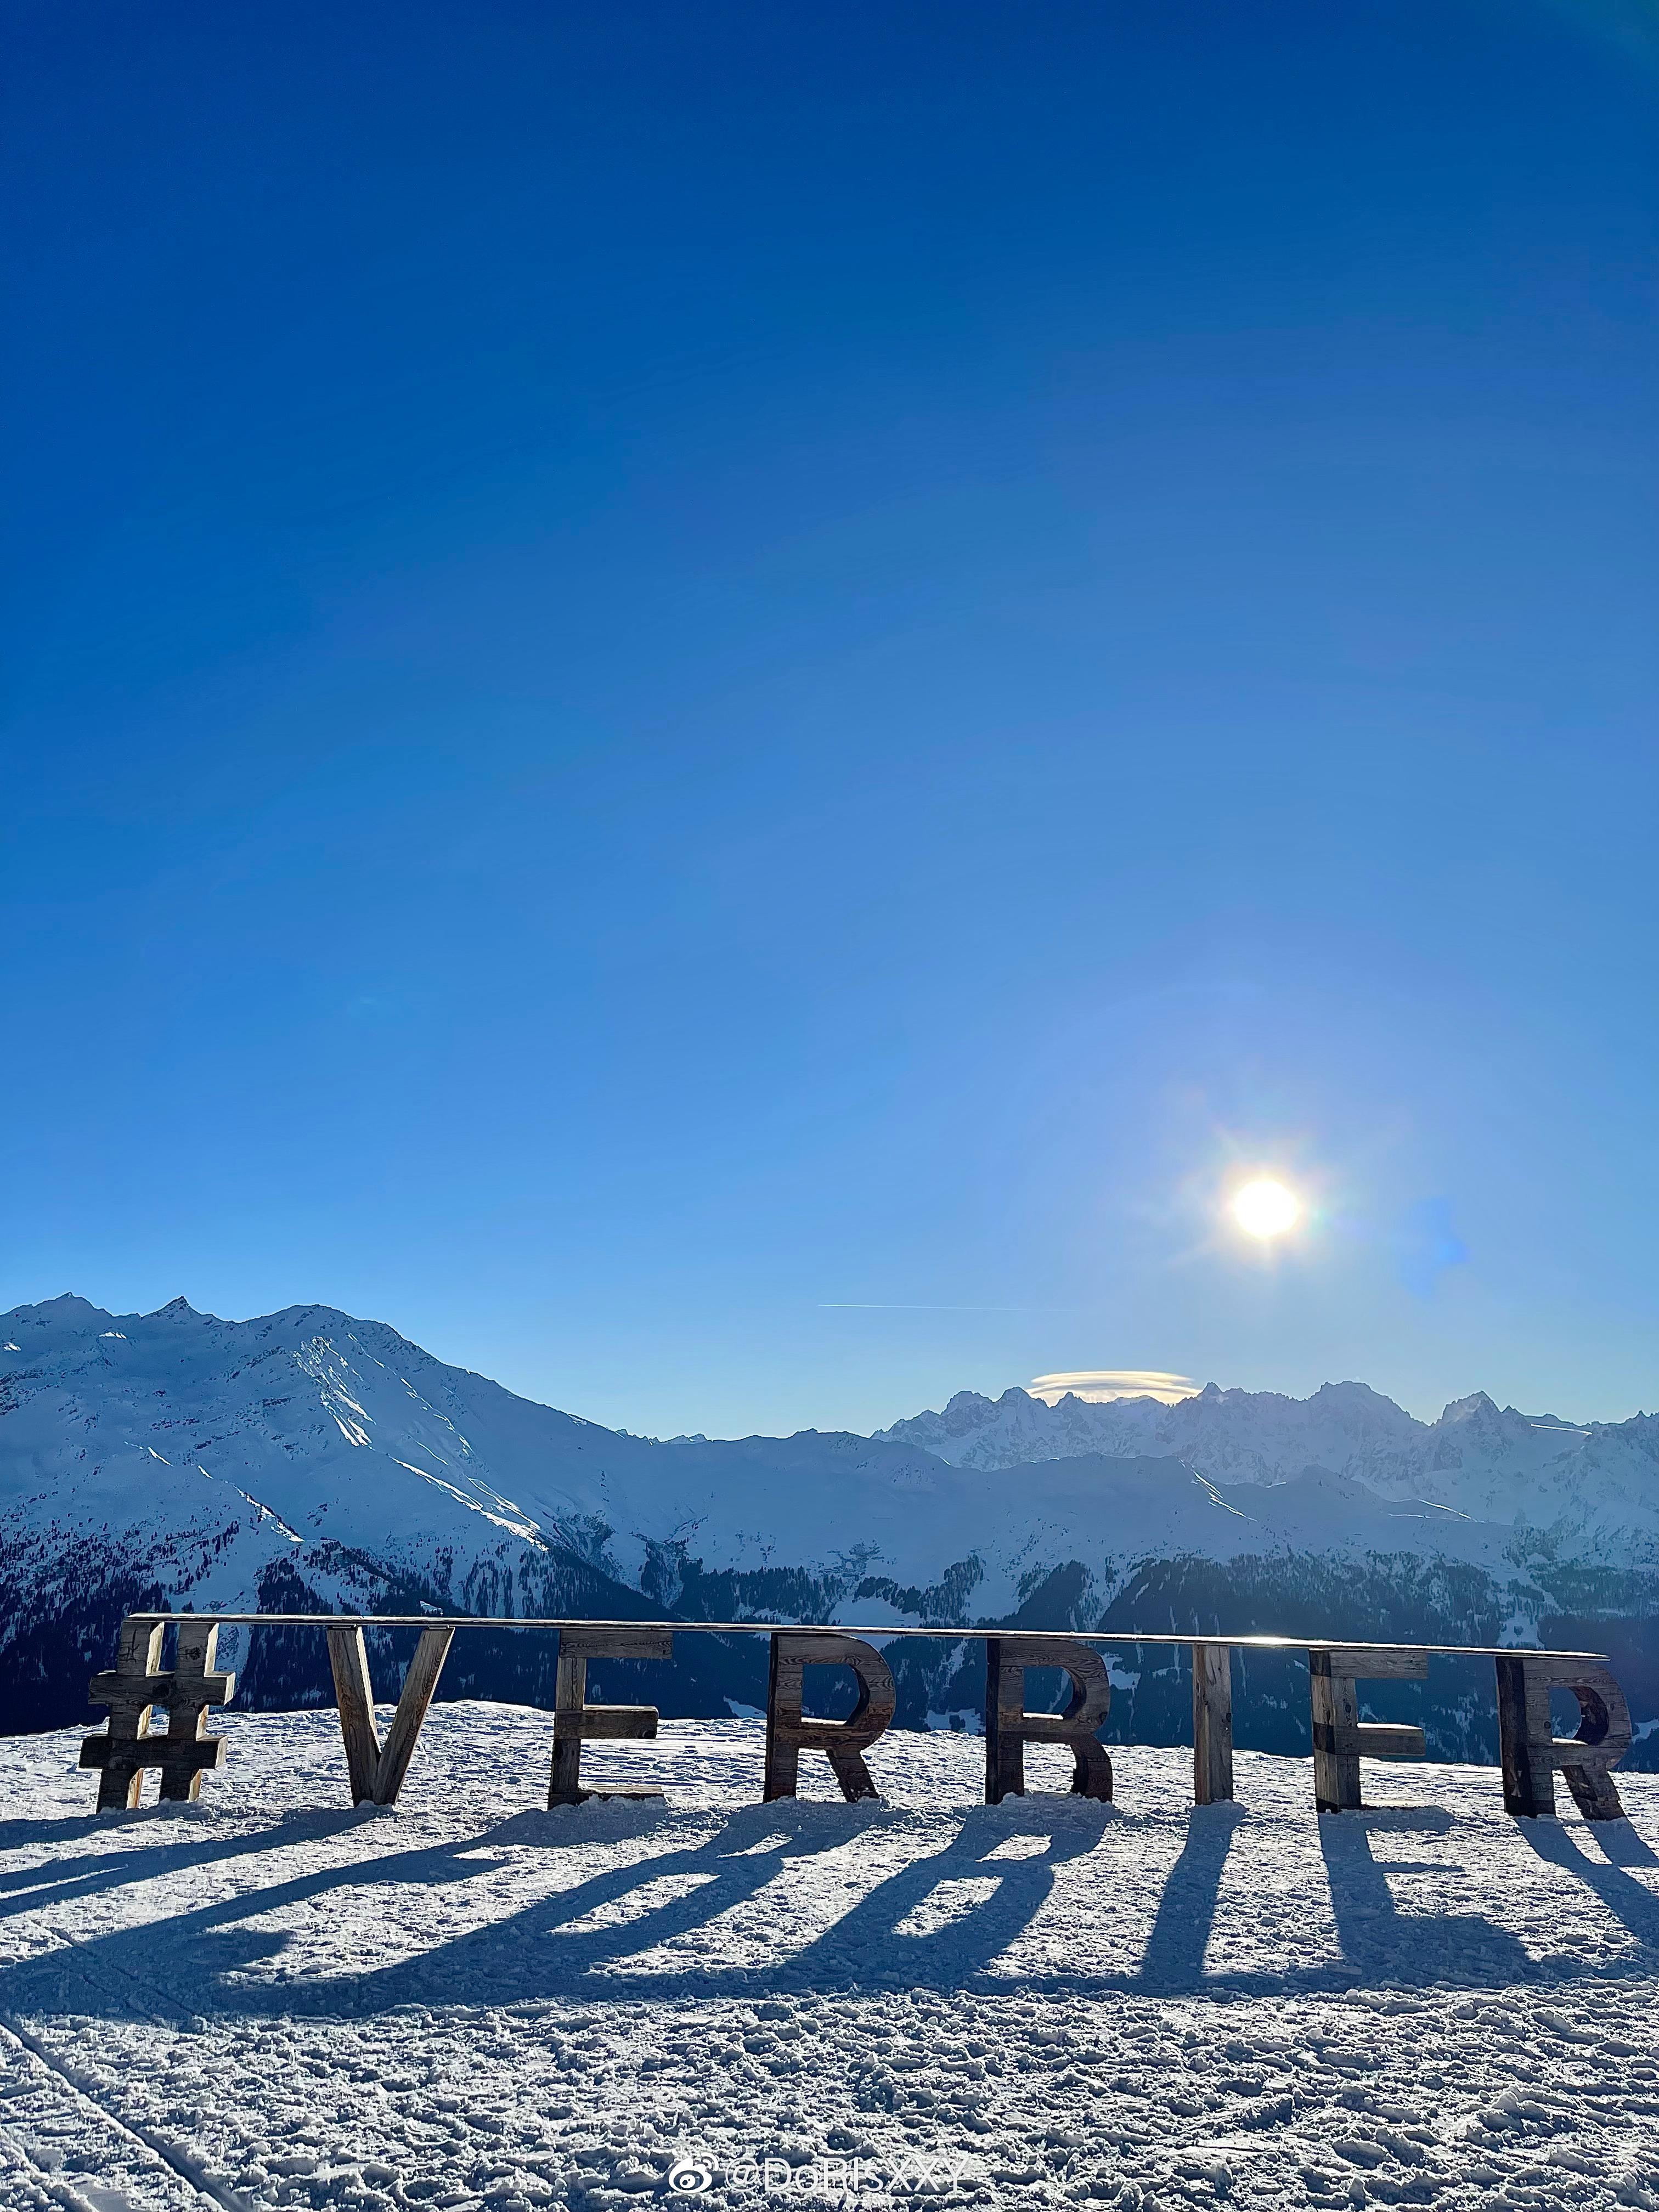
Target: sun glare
(1265,1208)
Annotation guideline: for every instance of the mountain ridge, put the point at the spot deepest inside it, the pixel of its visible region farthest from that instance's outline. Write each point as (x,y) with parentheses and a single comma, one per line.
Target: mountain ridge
(1479,1458)
(308,1460)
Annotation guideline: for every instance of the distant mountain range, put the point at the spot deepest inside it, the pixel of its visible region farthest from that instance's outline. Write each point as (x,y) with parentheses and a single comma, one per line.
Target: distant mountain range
(308,1461)
(1590,1489)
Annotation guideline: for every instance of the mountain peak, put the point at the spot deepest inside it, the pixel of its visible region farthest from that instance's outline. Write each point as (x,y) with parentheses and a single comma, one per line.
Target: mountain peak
(1354,1393)
(968,1404)
(1477,1407)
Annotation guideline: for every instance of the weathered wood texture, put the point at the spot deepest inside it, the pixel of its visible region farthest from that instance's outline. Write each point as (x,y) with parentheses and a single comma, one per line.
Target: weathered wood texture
(354,1697)
(376,1771)
(132,1689)
(1340,1737)
(1530,1750)
(575,1721)
(1009,1727)
(1378,1662)
(788,1733)
(414,1702)
(1212,1723)
(1532,1754)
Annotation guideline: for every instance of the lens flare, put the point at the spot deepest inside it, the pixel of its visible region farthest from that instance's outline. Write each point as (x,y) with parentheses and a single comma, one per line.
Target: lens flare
(1265,1208)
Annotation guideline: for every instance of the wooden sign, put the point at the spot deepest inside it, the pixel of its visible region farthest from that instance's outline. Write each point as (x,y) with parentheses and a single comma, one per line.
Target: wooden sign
(575,1721)
(376,1772)
(1009,1727)
(132,1689)
(1530,1750)
(1212,1723)
(1340,1738)
(788,1733)
(1532,1753)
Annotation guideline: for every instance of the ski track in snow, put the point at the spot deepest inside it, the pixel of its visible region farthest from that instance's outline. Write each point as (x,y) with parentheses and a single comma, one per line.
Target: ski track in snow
(472,2004)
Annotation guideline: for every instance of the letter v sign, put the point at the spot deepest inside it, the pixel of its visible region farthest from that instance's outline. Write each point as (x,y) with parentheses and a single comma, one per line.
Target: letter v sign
(377,1773)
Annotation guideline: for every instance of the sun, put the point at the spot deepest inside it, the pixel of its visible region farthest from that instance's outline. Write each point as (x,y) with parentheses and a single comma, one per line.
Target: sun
(1265,1208)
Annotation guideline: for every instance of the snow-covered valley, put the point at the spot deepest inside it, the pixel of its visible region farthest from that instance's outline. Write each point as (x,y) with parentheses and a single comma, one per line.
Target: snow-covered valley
(310,1460)
(268,1999)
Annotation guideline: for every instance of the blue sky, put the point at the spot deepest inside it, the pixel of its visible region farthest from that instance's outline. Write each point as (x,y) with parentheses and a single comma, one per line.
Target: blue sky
(719,705)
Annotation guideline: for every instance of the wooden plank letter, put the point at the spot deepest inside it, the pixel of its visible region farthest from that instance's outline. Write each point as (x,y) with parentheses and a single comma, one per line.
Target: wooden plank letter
(576,1721)
(1340,1737)
(1531,1751)
(377,1773)
(1212,1723)
(132,1690)
(1009,1727)
(788,1733)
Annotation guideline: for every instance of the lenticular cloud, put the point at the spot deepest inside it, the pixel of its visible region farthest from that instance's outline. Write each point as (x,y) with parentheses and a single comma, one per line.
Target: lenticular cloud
(1100,1385)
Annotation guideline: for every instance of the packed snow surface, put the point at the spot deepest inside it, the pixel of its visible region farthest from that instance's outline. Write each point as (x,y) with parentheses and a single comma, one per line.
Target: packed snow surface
(474,2004)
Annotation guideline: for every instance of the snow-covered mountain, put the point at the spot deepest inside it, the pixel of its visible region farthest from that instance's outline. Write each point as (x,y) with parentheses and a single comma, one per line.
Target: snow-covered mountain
(310,1460)
(1595,1489)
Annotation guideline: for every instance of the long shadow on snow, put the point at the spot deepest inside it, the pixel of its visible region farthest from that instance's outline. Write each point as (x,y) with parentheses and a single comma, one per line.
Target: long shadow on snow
(23,1889)
(1185,1910)
(865,1944)
(204,1947)
(532,1953)
(1629,1901)
(510,1960)
(1377,1938)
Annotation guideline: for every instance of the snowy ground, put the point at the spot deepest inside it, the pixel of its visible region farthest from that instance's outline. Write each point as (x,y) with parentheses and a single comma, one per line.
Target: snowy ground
(268,1999)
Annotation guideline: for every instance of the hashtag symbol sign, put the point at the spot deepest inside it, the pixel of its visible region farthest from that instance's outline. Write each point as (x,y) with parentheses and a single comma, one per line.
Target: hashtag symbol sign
(184,1751)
